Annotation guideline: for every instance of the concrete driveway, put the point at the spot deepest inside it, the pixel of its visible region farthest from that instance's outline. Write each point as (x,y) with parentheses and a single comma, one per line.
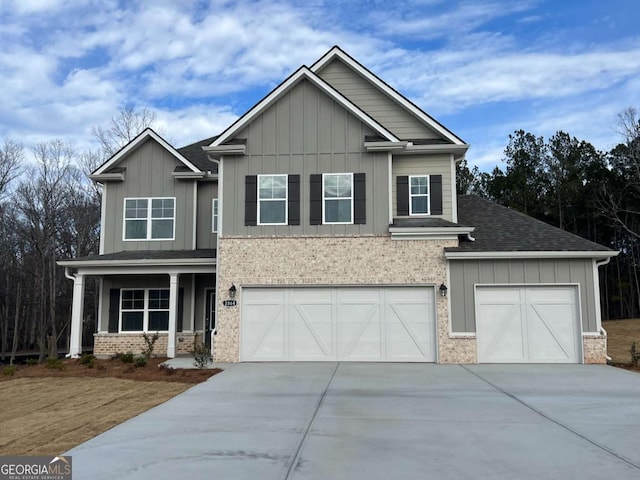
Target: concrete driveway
(382,421)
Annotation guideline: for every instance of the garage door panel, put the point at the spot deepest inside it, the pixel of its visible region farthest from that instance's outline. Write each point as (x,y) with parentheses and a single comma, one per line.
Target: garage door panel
(552,335)
(267,336)
(527,324)
(347,324)
(409,335)
(501,334)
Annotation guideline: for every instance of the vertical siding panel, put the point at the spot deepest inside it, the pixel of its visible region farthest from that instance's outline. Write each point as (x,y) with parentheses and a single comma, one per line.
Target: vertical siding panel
(283,110)
(269,130)
(311,126)
(325,127)
(298,107)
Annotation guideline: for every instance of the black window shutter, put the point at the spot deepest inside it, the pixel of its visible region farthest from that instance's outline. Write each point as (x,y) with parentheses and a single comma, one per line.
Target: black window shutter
(402,195)
(435,194)
(359,199)
(114,309)
(294,199)
(315,199)
(180,309)
(251,200)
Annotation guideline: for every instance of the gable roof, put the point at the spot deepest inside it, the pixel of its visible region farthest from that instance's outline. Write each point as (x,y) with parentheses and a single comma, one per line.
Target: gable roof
(146,134)
(501,229)
(303,73)
(337,52)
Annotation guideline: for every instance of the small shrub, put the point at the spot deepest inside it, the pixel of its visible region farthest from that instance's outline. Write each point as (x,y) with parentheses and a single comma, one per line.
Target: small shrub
(54,363)
(87,360)
(201,355)
(140,362)
(32,362)
(9,371)
(125,357)
(101,367)
(150,341)
(635,354)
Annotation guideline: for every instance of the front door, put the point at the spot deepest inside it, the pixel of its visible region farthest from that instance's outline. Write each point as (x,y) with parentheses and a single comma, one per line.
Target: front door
(210,317)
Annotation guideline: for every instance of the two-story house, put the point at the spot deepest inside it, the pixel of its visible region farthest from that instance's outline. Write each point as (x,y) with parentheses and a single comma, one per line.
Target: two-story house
(324,225)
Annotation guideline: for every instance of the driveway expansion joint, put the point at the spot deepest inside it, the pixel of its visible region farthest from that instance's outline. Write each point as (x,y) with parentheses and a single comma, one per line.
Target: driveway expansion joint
(296,457)
(561,425)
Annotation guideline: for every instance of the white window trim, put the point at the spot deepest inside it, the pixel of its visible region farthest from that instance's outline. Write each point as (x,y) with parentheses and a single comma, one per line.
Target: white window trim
(285,199)
(145,311)
(428,195)
(324,199)
(215,216)
(149,220)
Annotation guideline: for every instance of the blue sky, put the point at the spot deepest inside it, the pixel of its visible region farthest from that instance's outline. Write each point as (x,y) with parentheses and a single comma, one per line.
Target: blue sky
(483,68)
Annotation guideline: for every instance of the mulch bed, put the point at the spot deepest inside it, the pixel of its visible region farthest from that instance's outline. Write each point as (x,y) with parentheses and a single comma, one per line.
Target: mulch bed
(115,368)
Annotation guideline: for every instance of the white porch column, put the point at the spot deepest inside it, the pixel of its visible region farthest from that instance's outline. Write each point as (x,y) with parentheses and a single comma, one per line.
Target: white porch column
(75,348)
(173,314)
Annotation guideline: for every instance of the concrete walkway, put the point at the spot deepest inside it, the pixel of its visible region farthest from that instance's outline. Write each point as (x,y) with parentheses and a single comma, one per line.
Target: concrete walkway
(382,421)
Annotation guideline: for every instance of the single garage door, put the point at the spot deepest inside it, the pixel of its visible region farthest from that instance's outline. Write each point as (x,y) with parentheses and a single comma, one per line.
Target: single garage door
(528,324)
(395,324)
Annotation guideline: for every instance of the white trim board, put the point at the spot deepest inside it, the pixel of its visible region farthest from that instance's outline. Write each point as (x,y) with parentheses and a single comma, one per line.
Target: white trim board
(527,254)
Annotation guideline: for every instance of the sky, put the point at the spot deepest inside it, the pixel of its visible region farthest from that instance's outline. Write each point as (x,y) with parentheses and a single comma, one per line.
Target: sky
(483,68)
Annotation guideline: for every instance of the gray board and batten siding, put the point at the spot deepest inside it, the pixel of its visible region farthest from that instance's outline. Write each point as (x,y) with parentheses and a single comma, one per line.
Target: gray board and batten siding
(303,133)
(207,191)
(374,102)
(148,173)
(465,274)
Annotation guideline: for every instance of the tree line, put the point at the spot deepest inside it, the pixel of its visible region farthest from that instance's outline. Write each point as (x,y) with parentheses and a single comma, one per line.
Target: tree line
(570,184)
(49,210)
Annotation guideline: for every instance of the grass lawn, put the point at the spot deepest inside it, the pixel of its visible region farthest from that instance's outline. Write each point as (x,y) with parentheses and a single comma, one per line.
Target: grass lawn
(621,334)
(47,411)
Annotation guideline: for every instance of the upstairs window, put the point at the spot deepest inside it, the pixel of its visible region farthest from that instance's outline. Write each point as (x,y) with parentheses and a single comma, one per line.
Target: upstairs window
(214,216)
(419,195)
(337,198)
(272,199)
(149,218)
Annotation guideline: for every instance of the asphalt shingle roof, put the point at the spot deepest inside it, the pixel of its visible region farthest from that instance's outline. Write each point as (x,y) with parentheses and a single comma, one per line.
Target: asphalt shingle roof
(501,229)
(198,157)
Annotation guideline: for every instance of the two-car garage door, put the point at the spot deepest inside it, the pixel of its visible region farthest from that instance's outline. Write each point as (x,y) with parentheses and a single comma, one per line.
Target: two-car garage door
(528,324)
(391,324)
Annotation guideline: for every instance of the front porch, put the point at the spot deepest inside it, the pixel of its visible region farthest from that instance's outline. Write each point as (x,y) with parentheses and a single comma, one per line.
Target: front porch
(168,292)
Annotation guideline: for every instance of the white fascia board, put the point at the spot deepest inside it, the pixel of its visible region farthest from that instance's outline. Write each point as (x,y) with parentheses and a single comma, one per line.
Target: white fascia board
(107,177)
(423,116)
(240,149)
(527,254)
(431,230)
(188,175)
(458,151)
(423,236)
(148,270)
(302,73)
(384,146)
(144,135)
(138,262)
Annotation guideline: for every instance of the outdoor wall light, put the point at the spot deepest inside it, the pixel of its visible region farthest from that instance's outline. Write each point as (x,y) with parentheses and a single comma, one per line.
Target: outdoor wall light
(232,291)
(443,290)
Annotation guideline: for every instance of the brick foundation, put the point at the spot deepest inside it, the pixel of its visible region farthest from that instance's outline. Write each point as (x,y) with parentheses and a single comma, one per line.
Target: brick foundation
(341,261)
(595,349)
(108,344)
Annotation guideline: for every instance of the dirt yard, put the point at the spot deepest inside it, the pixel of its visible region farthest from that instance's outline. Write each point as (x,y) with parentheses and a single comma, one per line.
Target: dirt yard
(48,411)
(621,334)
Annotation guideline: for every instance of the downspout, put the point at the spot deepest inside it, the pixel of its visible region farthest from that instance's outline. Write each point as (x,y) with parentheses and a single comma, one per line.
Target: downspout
(598,265)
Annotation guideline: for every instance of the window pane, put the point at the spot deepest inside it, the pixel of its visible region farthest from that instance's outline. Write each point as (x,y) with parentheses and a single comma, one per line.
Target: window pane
(338,185)
(135,229)
(419,205)
(161,229)
(158,321)
(214,220)
(132,321)
(272,212)
(159,299)
(136,208)
(419,186)
(272,186)
(133,299)
(337,211)
(344,185)
(162,208)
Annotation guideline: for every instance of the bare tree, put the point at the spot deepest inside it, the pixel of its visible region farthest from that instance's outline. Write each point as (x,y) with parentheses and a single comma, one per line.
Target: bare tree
(11,156)
(122,129)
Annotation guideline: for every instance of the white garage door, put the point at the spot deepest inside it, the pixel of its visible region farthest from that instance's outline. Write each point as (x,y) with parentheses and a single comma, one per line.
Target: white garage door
(345,324)
(528,325)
